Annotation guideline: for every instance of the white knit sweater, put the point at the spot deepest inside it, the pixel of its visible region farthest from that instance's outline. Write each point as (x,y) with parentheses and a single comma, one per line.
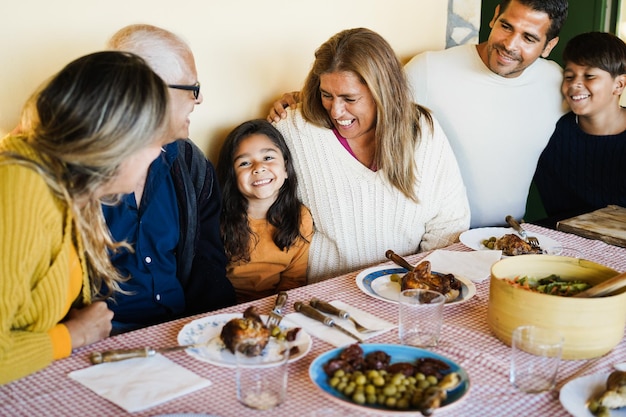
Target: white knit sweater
(358,215)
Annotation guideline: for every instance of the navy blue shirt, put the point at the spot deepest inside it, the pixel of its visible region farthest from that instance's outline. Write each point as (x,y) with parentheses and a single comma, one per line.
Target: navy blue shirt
(578,172)
(153,230)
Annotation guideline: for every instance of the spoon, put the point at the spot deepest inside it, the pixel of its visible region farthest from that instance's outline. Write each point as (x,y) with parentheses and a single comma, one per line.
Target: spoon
(604,288)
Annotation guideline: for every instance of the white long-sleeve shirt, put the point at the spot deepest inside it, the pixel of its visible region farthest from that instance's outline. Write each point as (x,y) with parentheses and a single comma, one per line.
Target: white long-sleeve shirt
(497,126)
(358,215)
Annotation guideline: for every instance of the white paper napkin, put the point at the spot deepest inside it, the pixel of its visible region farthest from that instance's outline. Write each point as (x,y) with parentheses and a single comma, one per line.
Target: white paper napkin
(475,265)
(336,337)
(139,383)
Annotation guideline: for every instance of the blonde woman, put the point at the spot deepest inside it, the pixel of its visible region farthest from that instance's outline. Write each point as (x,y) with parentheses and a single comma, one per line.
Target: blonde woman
(89,134)
(375,169)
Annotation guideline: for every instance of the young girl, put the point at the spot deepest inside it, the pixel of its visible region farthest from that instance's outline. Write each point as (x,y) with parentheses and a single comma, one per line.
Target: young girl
(265,228)
(582,167)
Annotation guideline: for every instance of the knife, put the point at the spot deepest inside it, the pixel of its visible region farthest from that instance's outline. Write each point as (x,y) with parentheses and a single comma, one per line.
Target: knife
(310,312)
(122,354)
(328,308)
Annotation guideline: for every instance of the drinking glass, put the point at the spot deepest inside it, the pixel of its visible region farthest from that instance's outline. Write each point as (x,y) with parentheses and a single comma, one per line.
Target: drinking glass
(535,357)
(262,380)
(420,317)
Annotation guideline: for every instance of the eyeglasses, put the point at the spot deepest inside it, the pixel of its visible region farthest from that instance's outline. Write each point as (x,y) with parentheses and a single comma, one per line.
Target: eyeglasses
(195,88)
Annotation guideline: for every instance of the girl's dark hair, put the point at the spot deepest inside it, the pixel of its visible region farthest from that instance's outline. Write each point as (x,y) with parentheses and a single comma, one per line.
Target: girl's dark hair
(284,214)
(599,50)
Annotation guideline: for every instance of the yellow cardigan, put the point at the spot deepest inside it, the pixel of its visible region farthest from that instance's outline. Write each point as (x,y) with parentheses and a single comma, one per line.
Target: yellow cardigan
(36,250)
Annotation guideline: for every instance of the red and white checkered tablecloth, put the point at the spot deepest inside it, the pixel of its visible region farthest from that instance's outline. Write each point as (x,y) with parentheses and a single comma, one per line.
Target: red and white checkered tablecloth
(466,339)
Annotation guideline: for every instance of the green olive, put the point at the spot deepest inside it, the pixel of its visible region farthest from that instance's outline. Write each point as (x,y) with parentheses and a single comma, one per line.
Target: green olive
(389,390)
(395,391)
(359,398)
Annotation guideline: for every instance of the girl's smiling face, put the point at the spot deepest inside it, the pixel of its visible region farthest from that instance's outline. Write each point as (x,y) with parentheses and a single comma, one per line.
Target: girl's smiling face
(589,90)
(260,169)
(349,104)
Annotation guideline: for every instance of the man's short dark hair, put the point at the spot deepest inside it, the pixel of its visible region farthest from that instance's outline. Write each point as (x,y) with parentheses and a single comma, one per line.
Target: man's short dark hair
(555,9)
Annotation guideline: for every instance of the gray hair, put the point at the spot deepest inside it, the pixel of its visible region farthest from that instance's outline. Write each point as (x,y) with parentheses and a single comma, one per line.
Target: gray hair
(166,53)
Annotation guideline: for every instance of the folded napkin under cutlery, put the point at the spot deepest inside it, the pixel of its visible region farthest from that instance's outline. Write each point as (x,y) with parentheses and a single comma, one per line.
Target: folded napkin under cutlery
(140,383)
(475,265)
(336,337)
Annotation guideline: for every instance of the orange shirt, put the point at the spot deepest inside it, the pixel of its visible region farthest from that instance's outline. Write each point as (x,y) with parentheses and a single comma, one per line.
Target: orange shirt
(271,270)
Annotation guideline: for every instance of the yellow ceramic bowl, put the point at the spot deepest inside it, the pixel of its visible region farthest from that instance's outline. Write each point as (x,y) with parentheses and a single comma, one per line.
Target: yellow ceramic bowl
(591,326)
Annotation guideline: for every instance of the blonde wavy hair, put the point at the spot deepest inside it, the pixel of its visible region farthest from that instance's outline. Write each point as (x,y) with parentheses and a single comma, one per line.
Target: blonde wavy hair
(91,116)
(398,129)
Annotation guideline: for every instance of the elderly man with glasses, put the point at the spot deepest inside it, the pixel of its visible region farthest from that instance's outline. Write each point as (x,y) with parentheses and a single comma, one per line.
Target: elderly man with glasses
(178,266)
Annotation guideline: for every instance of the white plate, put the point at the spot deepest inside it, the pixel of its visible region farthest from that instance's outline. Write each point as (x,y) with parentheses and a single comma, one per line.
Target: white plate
(473,238)
(376,283)
(575,394)
(208,329)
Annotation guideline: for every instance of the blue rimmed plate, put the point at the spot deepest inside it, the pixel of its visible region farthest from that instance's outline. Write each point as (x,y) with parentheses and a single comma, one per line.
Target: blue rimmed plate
(376,282)
(398,353)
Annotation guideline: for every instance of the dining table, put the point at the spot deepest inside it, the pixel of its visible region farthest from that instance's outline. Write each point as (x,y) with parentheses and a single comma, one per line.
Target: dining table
(466,339)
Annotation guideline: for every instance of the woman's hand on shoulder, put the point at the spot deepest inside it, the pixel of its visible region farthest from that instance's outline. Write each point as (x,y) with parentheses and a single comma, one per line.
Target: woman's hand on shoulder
(89,324)
(277,111)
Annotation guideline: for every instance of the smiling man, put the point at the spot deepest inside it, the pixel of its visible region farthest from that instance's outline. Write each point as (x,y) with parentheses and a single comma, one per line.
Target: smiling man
(178,264)
(498,103)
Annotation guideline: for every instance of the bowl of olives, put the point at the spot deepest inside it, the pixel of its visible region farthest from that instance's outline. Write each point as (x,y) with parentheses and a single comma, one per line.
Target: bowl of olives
(389,379)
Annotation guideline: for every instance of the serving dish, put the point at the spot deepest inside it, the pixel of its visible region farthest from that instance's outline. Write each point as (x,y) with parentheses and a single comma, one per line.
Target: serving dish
(591,327)
(376,282)
(207,330)
(398,353)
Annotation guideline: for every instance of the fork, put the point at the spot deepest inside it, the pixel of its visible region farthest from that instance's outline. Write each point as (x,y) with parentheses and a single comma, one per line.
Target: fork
(331,309)
(533,241)
(275,316)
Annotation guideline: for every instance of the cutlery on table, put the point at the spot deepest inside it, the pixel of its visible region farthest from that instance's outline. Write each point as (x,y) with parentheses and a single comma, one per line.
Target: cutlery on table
(609,286)
(399,260)
(122,354)
(533,241)
(275,315)
(331,309)
(312,313)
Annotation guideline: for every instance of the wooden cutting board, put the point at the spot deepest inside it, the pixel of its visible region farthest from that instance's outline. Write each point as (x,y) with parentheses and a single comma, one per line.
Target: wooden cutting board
(607,224)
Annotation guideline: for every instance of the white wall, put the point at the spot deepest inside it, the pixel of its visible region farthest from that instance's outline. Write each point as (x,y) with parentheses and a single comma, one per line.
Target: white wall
(247,51)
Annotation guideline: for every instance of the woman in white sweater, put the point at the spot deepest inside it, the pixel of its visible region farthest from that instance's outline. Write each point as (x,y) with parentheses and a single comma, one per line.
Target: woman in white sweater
(375,169)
